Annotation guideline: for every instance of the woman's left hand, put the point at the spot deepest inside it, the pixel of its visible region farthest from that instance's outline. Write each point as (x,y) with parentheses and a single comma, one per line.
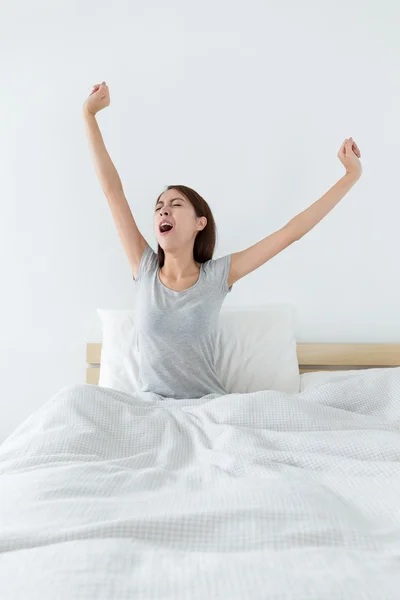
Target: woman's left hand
(349,155)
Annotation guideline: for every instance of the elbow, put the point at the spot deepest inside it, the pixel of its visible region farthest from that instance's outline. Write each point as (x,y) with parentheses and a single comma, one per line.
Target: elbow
(294,234)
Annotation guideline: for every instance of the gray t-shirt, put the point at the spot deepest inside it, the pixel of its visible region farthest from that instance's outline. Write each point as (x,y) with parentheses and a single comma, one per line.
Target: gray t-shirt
(176,331)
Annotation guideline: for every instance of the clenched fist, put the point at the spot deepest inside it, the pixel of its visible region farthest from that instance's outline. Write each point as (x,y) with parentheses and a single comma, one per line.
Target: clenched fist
(98,99)
(349,155)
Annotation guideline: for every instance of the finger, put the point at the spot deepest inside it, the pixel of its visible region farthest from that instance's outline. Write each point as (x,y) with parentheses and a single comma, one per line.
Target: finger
(357,149)
(352,146)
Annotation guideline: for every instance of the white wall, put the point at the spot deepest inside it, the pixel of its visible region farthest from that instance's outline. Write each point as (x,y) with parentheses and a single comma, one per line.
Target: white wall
(248,104)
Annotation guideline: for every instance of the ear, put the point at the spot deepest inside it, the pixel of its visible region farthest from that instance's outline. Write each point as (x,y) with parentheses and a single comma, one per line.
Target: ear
(203,222)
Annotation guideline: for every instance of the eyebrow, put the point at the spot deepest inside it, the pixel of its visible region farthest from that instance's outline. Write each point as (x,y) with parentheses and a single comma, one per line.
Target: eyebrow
(161,202)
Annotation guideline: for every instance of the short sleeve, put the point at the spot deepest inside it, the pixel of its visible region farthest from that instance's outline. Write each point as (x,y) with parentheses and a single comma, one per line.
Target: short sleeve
(218,272)
(148,263)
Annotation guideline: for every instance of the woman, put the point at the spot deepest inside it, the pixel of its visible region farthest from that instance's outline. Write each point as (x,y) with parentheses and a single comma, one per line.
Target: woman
(180,289)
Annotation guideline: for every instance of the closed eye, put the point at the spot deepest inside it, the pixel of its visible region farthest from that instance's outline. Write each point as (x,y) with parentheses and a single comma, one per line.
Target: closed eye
(172,205)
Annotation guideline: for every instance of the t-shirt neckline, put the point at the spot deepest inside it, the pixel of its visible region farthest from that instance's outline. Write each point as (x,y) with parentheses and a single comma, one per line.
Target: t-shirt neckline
(179,291)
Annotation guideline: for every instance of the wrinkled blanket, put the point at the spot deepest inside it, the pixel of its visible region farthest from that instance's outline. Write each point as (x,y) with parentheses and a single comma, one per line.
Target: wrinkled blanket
(242,496)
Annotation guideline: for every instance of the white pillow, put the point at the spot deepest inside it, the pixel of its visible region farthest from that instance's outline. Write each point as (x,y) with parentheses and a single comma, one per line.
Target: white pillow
(255,350)
(120,359)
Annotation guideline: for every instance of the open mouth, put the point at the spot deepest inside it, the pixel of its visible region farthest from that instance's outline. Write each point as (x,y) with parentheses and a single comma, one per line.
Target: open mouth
(164,229)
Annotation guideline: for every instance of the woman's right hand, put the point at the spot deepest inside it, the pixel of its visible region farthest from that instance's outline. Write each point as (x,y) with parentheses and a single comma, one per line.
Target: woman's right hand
(98,99)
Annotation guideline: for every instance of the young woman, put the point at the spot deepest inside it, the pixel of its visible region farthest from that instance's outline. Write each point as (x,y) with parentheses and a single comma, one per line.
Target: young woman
(180,289)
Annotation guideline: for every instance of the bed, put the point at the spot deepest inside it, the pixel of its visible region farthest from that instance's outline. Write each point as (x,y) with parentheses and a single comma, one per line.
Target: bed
(269,494)
(312,358)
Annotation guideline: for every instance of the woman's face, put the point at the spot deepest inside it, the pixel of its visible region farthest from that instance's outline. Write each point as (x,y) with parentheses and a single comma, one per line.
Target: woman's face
(175,208)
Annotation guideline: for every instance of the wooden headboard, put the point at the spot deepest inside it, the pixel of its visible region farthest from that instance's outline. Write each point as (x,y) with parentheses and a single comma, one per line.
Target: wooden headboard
(311,357)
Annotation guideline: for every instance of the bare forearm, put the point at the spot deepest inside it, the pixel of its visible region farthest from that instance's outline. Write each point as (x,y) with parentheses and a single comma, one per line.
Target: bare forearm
(306,220)
(105,169)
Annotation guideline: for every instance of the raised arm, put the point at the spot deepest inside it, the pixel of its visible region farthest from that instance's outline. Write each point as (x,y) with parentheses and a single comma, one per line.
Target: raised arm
(251,258)
(132,240)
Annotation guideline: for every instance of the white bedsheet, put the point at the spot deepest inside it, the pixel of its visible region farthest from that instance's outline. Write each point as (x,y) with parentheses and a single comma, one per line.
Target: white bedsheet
(308,380)
(246,496)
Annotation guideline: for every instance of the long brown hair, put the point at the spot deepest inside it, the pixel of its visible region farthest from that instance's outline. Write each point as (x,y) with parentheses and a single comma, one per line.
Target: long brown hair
(204,242)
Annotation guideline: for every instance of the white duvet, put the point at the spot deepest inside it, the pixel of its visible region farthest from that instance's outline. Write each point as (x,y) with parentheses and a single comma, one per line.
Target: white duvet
(262,495)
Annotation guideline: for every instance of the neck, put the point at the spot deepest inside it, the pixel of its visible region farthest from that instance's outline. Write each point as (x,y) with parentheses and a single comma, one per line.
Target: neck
(178,266)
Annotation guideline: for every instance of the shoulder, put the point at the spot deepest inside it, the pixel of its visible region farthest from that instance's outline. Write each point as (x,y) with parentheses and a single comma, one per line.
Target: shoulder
(215,265)
(217,271)
(148,262)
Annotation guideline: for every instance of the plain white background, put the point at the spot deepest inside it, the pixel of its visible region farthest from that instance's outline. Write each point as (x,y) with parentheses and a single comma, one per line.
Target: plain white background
(248,103)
